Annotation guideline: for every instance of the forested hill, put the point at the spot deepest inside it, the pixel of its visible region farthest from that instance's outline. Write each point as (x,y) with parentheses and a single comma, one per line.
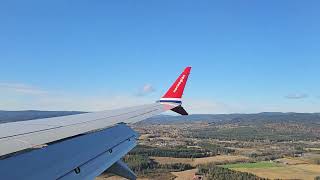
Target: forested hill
(12,116)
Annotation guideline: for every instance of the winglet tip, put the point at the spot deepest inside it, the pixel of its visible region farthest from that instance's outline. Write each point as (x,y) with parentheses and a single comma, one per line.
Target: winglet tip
(175,92)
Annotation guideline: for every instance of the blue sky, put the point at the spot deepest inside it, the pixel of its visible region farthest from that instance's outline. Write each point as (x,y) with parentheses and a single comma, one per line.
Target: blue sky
(247,56)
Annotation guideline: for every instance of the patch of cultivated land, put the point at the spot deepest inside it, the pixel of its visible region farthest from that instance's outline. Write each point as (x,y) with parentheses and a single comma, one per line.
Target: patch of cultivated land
(197,161)
(293,161)
(312,149)
(276,171)
(160,177)
(185,175)
(310,157)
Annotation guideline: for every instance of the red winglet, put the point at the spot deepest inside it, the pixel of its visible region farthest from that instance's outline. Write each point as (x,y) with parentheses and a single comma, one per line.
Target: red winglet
(176,90)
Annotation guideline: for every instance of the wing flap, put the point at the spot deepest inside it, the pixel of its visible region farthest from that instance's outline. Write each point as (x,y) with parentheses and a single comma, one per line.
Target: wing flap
(91,153)
(121,169)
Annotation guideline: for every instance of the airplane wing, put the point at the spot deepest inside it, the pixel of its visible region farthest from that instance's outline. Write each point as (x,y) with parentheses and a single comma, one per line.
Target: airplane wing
(79,146)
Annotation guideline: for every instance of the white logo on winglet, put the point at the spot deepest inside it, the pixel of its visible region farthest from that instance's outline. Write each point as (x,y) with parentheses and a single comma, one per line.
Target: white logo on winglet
(179,83)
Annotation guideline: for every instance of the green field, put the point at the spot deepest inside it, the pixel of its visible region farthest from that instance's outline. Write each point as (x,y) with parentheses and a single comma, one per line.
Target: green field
(263,164)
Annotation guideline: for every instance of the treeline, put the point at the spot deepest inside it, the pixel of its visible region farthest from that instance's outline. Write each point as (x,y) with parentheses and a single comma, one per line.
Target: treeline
(215,149)
(213,172)
(179,151)
(266,156)
(143,165)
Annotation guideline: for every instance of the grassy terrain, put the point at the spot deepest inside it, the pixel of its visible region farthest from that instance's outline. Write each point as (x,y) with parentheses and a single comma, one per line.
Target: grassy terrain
(263,164)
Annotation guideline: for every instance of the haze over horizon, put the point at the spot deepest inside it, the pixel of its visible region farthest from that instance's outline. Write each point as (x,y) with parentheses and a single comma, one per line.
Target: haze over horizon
(247,57)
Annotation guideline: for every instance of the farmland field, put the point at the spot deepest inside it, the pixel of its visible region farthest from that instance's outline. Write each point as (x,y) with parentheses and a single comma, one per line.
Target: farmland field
(185,175)
(197,161)
(271,171)
(252,165)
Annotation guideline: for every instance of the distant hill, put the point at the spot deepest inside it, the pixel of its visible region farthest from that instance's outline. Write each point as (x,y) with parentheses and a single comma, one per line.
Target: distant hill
(12,116)
(242,119)
(265,117)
